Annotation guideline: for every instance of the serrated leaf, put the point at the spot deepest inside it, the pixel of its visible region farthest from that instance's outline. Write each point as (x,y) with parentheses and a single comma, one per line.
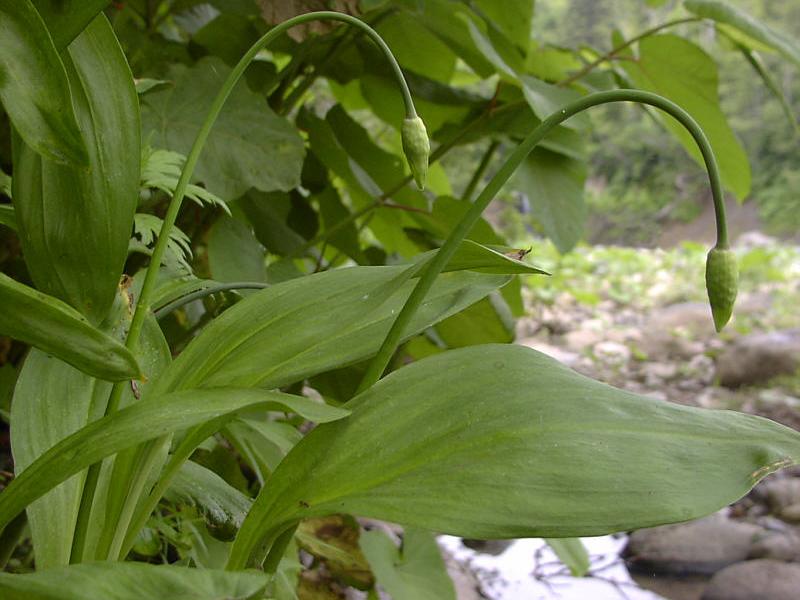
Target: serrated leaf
(249,146)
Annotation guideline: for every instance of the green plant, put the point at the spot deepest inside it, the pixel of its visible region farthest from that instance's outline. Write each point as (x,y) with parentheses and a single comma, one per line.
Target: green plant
(491,440)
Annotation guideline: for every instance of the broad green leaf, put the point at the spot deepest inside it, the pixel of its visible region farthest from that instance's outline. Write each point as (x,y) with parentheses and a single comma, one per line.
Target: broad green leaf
(734,20)
(222,506)
(448,22)
(249,146)
(67,18)
(74,224)
(553,184)
(234,253)
(7,216)
(543,98)
(572,553)
(51,401)
(270,215)
(131,581)
(501,441)
(682,72)
(416,48)
(33,86)
(486,322)
(146,420)
(513,17)
(58,329)
(323,321)
(414,571)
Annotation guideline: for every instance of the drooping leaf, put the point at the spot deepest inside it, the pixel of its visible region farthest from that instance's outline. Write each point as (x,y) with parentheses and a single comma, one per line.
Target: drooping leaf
(33,86)
(60,330)
(501,441)
(74,224)
(249,146)
(733,20)
(139,422)
(324,321)
(572,553)
(682,72)
(131,581)
(415,571)
(553,184)
(222,506)
(67,18)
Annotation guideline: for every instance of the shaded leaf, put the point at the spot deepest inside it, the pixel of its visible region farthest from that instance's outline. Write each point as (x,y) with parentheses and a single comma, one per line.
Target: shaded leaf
(33,86)
(67,18)
(223,506)
(249,146)
(74,224)
(131,581)
(234,253)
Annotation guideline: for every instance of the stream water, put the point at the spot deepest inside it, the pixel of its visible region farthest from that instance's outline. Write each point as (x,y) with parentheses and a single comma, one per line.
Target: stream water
(528,570)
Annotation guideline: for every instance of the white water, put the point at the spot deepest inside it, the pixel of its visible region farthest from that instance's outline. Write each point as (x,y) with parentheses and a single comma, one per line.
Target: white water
(528,570)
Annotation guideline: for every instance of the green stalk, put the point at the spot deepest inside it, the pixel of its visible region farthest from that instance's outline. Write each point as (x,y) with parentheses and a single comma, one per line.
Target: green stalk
(477,176)
(462,229)
(143,307)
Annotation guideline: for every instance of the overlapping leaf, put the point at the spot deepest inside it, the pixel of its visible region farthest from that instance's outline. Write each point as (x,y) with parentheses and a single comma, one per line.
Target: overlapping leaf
(501,441)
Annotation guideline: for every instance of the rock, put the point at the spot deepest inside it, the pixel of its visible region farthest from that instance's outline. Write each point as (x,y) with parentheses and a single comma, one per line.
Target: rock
(778,546)
(755,239)
(612,353)
(762,579)
(791,513)
(688,318)
(699,547)
(782,494)
(580,340)
(655,373)
(759,357)
(493,547)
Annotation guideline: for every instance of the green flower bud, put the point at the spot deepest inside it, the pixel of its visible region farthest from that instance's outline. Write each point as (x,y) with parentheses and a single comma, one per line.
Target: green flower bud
(417,147)
(722,281)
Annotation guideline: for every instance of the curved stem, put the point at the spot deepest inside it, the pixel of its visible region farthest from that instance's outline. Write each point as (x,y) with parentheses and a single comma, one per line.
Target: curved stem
(197,295)
(143,304)
(616,50)
(462,229)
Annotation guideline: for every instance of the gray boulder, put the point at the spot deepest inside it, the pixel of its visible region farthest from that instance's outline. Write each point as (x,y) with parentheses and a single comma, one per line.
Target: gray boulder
(700,547)
(759,357)
(756,580)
